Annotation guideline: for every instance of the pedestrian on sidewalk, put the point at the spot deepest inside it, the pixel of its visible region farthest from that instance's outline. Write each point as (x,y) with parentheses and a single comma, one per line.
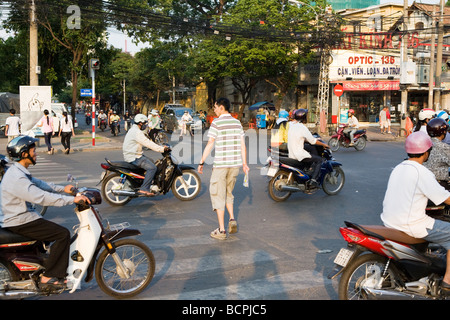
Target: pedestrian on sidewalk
(46,122)
(66,132)
(13,123)
(227,136)
(383,120)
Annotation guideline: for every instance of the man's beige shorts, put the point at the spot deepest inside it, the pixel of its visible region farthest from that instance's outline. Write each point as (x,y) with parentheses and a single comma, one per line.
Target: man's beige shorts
(221,186)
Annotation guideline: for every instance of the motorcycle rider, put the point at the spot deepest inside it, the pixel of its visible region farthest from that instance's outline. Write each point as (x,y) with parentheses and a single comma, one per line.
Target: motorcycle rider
(352,125)
(444,115)
(134,140)
(155,124)
(279,133)
(18,191)
(297,135)
(425,115)
(101,116)
(439,160)
(409,187)
(113,118)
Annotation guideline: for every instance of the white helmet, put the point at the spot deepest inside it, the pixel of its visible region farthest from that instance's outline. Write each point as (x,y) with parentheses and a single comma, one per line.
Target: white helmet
(140,118)
(427,113)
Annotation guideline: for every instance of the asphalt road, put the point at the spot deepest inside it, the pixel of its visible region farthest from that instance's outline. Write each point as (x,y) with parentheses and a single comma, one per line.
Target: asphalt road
(282,251)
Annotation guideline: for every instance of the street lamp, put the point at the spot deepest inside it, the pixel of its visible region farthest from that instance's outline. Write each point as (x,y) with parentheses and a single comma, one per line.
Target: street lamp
(300,3)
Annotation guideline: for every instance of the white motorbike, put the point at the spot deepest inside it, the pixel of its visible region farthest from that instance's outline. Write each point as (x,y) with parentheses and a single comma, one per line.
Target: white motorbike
(123,269)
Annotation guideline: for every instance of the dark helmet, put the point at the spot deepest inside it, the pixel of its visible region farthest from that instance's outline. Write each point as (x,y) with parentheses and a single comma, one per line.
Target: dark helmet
(300,114)
(437,127)
(19,145)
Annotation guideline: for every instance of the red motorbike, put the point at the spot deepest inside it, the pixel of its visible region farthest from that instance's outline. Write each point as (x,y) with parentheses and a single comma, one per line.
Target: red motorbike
(381,263)
(341,138)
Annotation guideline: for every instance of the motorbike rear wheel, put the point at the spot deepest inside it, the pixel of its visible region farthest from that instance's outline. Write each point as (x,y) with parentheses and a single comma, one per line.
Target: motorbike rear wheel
(187,186)
(360,144)
(334,144)
(333,182)
(367,270)
(114,182)
(139,261)
(280,179)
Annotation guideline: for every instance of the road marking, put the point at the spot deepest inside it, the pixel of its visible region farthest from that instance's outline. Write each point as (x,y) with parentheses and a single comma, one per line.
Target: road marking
(214,262)
(254,289)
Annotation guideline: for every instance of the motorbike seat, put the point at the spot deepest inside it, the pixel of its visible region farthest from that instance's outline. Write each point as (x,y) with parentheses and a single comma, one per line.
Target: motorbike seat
(7,237)
(122,164)
(292,162)
(383,233)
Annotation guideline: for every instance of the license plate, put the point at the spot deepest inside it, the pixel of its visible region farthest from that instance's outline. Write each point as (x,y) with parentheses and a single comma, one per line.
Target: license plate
(102,176)
(343,257)
(271,172)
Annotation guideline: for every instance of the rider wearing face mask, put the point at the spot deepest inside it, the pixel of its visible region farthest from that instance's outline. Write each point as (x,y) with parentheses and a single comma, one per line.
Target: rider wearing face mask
(410,186)
(134,140)
(18,191)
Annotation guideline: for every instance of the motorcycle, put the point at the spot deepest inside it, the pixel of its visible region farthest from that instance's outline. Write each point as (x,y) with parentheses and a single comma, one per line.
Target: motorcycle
(121,180)
(289,175)
(102,124)
(4,164)
(123,269)
(115,127)
(340,138)
(384,263)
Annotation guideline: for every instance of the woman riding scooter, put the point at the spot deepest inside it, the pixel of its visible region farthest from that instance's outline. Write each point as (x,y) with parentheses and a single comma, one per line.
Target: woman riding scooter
(439,160)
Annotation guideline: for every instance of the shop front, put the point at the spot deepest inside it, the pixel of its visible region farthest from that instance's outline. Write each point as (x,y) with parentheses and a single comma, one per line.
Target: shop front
(368,97)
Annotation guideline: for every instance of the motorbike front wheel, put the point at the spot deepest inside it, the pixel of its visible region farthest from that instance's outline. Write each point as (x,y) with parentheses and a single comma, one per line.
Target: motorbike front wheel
(333,181)
(115,182)
(187,186)
(366,271)
(334,144)
(279,180)
(139,261)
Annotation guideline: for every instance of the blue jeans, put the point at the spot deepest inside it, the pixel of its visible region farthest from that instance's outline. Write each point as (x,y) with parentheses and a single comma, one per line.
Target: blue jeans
(148,165)
(440,234)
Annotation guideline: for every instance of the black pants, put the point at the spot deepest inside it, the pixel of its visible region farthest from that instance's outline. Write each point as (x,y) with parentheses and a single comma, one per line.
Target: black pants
(44,230)
(65,139)
(48,140)
(315,162)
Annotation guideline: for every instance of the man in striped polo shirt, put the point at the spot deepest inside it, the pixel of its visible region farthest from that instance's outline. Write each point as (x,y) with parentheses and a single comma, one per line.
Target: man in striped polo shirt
(227,136)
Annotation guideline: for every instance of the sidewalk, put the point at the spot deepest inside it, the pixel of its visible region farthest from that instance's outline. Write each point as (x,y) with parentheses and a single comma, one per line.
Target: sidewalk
(82,142)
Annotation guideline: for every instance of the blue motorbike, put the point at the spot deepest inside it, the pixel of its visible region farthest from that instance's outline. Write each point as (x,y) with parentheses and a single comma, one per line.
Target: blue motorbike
(289,175)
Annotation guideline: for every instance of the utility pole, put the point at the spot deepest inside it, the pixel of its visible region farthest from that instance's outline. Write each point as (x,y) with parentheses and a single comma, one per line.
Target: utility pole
(34,68)
(431,78)
(404,59)
(437,99)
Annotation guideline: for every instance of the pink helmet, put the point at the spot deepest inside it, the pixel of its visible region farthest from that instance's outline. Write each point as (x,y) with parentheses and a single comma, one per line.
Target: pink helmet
(418,142)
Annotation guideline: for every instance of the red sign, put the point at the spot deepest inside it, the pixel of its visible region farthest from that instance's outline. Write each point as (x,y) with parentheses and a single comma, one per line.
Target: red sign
(374,85)
(338,90)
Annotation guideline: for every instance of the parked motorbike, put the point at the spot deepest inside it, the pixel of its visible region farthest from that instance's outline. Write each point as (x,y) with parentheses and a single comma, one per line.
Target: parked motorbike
(121,180)
(102,124)
(4,164)
(115,127)
(123,269)
(340,138)
(384,263)
(289,175)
